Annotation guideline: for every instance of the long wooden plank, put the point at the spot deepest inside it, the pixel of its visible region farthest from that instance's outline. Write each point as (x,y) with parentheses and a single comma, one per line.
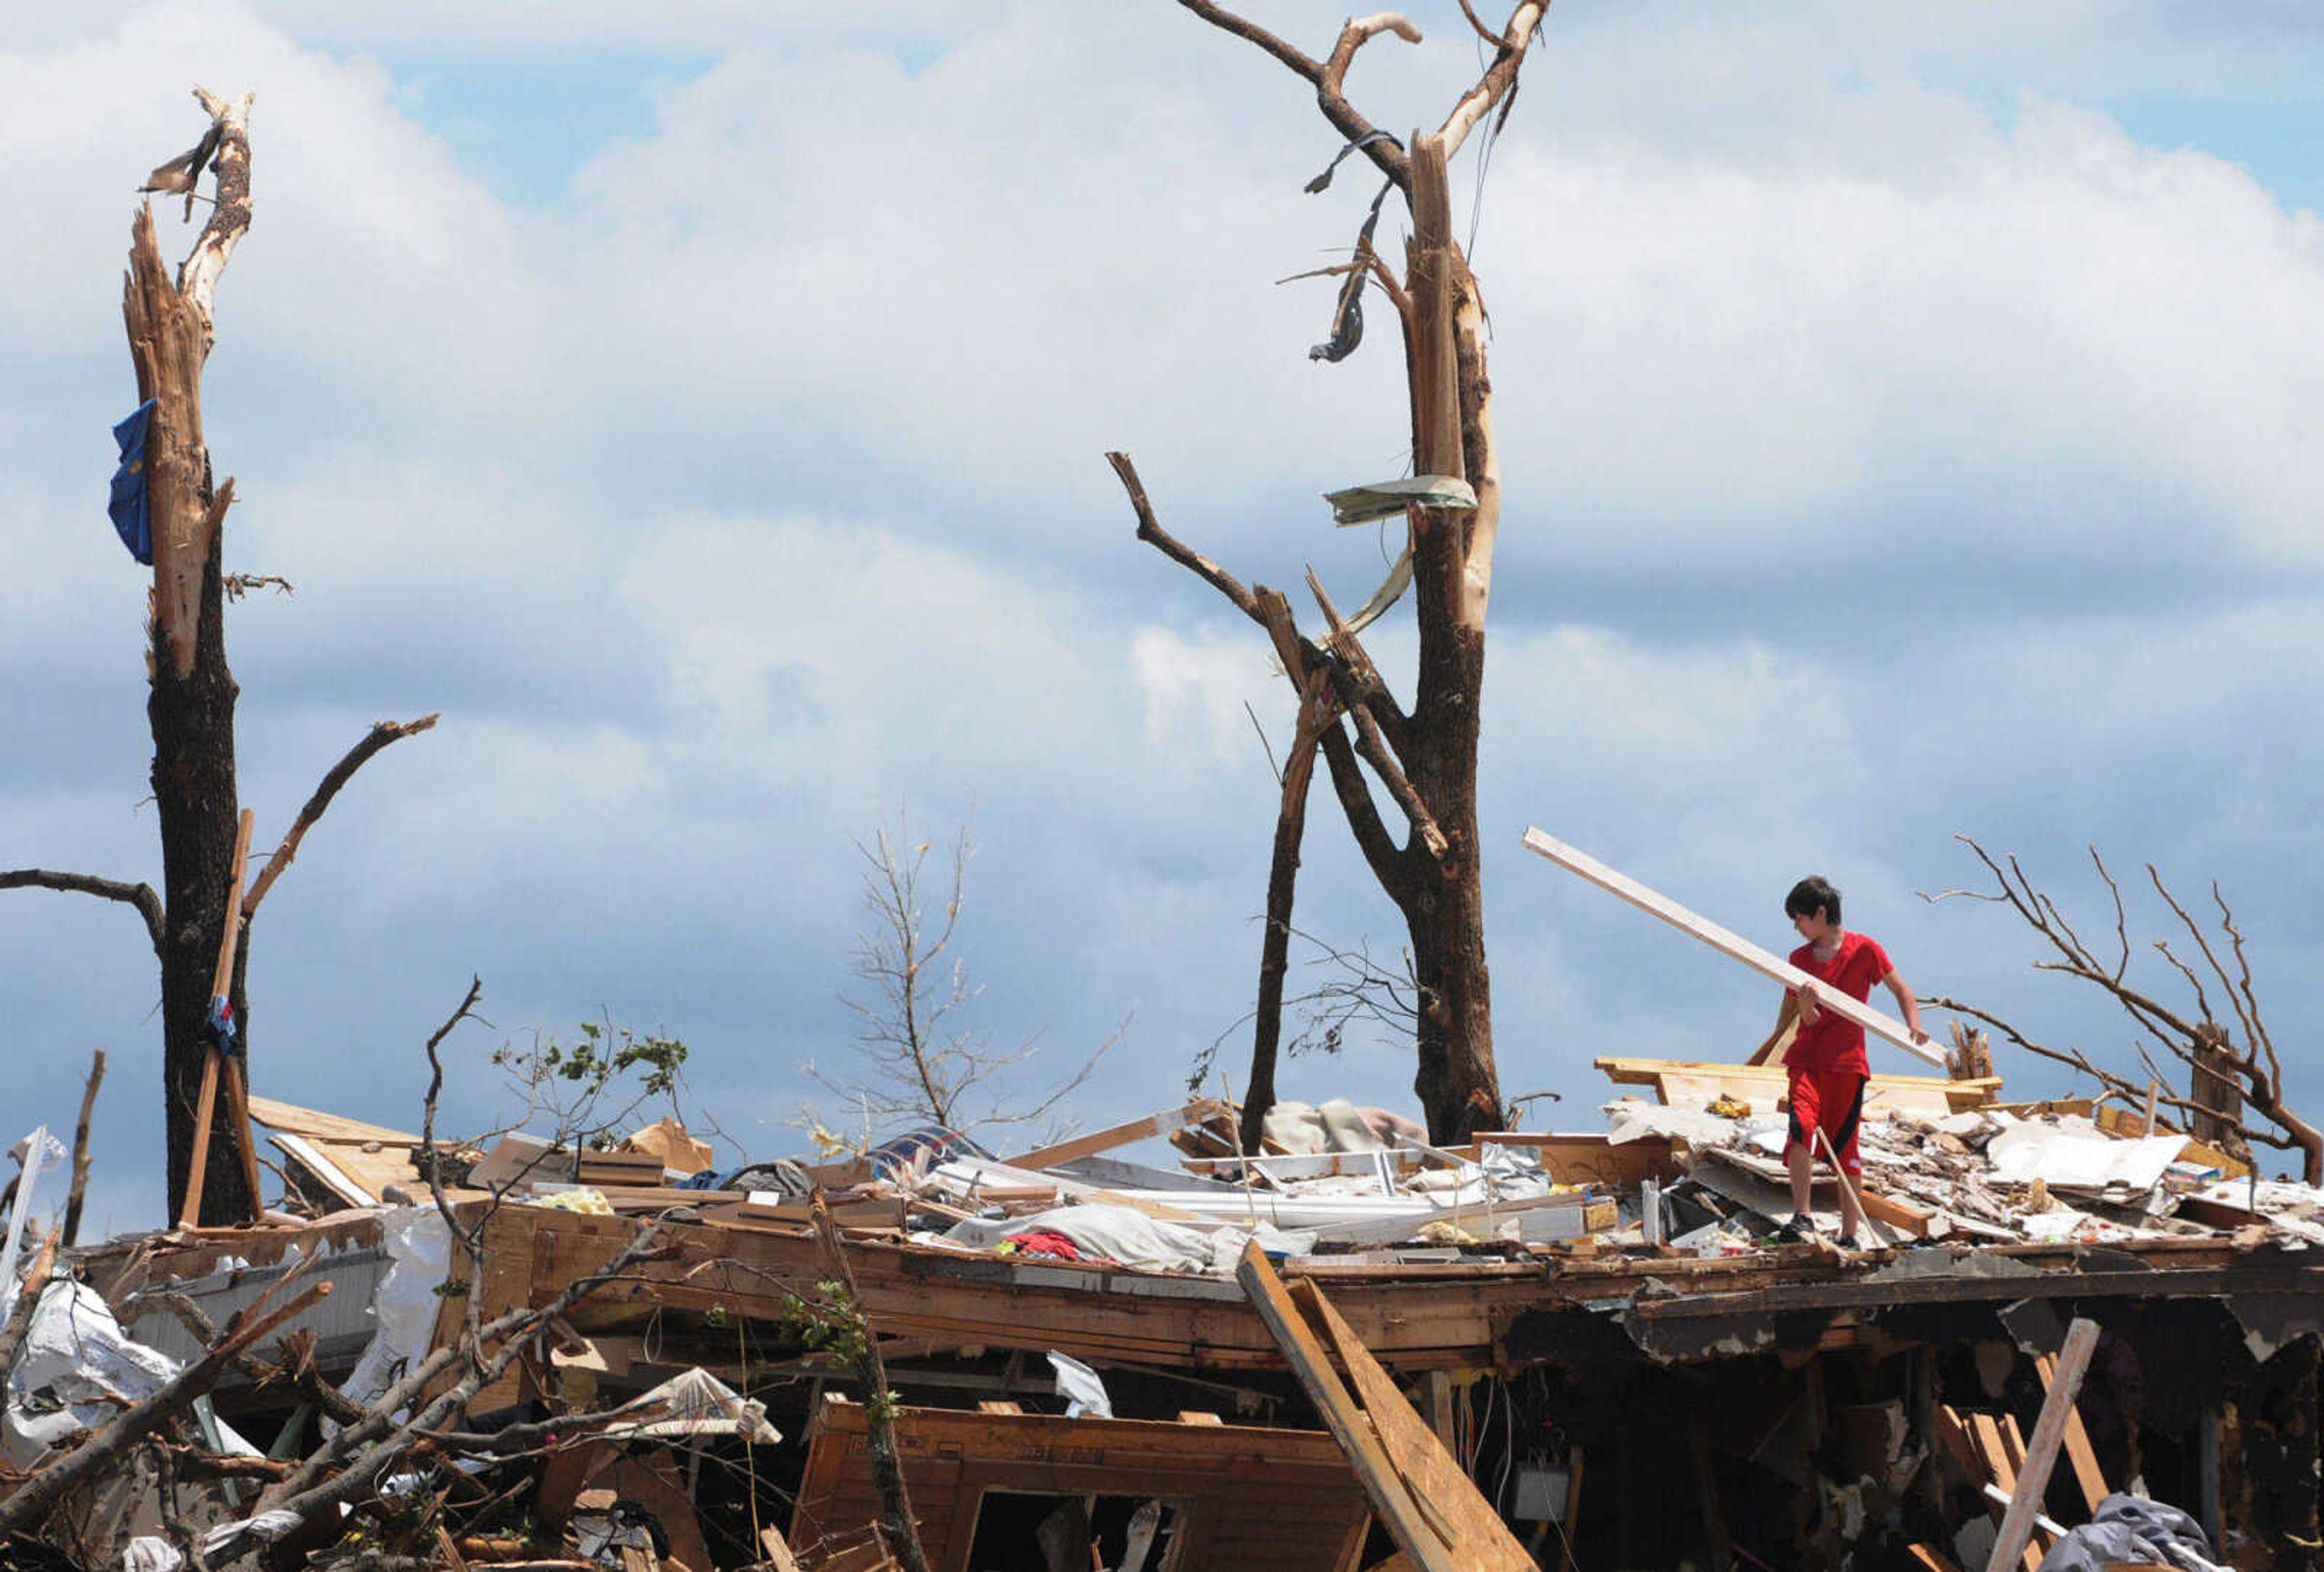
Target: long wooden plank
(1415,1534)
(1107,1140)
(2078,1452)
(1985,1438)
(2041,1452)
(1436,1476)
(1763,961)
(197,1167)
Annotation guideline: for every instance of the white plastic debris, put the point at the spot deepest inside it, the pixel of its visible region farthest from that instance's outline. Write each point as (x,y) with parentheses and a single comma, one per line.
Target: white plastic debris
(419,1250)
(75,1366)
(1080,1386)
(39,1152)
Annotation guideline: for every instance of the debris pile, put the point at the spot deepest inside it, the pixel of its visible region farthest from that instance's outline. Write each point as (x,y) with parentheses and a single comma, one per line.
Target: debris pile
(1138,1349)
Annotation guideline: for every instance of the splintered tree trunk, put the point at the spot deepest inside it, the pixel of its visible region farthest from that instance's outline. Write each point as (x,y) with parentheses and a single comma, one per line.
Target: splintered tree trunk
(1426,760)
(1443,900)
(191,706)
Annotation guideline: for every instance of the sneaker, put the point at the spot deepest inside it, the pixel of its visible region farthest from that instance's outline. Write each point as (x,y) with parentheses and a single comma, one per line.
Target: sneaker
(1851,1242)
(1799,1230)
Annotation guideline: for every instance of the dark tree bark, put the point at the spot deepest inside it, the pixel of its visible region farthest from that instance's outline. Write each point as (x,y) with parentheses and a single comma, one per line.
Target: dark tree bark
(191,704)
(190,708)
(1426,761)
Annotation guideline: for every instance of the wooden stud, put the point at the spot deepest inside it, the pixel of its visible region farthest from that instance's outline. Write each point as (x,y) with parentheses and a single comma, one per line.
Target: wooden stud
(221,982)
(1417,1533)
(2042,1451)
(2078,1452)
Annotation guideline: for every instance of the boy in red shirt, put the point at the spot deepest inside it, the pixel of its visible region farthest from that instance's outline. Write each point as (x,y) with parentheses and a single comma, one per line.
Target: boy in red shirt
(1826,1060)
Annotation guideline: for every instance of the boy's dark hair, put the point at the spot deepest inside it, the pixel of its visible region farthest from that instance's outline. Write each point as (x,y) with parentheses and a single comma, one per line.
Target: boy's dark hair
(1815,892)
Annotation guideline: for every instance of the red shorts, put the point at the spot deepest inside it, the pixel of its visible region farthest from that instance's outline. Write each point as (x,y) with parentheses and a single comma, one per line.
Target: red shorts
(1832,1101)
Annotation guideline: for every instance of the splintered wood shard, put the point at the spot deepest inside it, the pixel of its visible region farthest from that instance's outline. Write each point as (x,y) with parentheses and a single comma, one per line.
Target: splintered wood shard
(1765,962)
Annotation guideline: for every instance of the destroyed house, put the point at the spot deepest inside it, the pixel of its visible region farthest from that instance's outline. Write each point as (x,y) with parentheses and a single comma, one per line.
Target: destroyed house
(1136,1349)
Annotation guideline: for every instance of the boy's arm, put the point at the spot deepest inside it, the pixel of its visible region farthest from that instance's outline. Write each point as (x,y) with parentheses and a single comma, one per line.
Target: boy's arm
(1906,1005)
(1784,1014)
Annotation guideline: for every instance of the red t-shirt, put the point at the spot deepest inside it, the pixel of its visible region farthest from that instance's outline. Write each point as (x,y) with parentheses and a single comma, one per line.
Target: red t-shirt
(1835,1043)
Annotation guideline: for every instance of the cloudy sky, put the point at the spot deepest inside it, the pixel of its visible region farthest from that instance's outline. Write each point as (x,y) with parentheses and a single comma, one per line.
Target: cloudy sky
(1910,423)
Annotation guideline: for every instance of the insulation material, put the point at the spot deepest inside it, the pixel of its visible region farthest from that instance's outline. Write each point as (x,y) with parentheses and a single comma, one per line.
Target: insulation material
(404,1313)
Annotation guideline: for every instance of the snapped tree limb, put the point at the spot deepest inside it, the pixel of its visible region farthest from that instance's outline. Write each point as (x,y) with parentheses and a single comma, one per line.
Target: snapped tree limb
(147,903)
(381,736)
(2250,1071)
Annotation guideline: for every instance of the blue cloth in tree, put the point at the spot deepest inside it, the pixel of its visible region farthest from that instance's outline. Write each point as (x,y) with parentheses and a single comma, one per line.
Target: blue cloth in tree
(132,507)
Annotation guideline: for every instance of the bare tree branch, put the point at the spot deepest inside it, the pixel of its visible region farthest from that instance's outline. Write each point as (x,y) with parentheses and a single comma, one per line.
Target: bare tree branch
(2235,995)
(81,1154)
(916,1065)
(1385,154)
(1381,854)
(140,896)
(1150,530)
(32,1500)
(198,274)
(1487,34)
(2238,1079)
(1499,79)
(1353,36)
(381,736)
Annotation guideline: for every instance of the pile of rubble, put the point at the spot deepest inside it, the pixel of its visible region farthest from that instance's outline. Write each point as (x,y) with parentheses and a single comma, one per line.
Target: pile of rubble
(1351,1346)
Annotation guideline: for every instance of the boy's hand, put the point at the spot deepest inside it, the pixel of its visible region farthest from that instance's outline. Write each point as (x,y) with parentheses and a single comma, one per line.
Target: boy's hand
(1809,1010)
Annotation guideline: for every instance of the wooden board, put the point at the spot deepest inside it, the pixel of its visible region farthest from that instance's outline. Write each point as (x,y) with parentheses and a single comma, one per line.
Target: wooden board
(2078,1452)
(2041,1454)
(1763,961)
(1423,1497)
(1097,1140)
(1269,1499)
(1755,1084)
(1985,1440)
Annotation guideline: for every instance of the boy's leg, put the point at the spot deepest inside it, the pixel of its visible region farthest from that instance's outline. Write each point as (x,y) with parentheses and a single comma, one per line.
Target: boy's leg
(1798,1141)
(1841,1105)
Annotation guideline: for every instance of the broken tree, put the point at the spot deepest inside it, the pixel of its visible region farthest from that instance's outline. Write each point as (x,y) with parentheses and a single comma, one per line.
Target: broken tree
(2225,1079)
(1425,758)
(171,487)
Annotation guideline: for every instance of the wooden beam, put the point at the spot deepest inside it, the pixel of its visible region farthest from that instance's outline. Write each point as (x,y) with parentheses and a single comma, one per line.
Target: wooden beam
(1993,1452)
(1106,1140)
(2042,1451)
(1763,961)
(1384,1487)
(206,1099)
(1627,1070)
(1456,1507)
(1903,1216)
(2078,1452)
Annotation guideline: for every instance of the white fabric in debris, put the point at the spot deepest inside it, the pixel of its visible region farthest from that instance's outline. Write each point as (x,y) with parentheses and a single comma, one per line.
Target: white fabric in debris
(76,1362)
(1337,1125)
(419,1254)
(39,1152)
(2083,1157)
(1081,1387)
(1134,1239)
